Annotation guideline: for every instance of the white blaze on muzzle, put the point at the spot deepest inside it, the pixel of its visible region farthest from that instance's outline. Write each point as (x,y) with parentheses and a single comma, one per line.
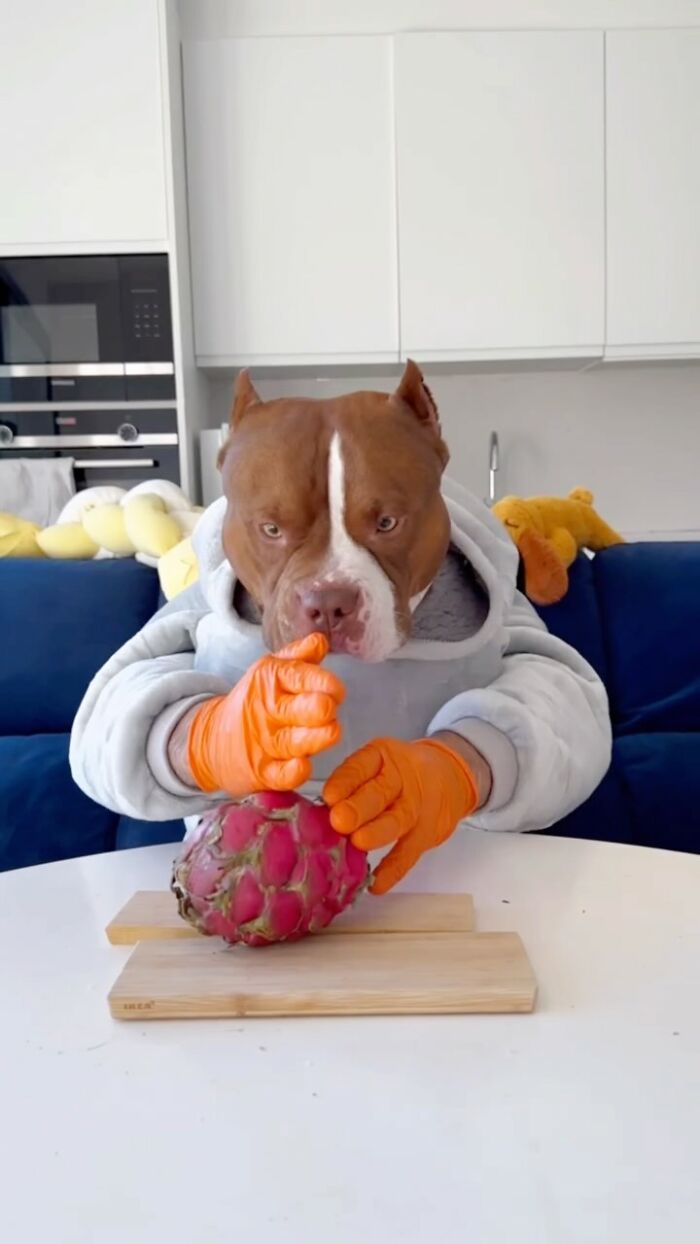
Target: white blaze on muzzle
(348,562)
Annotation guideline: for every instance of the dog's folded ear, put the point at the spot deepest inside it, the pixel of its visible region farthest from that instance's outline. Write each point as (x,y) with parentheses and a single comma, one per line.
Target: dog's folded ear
(244,396)
(414,393)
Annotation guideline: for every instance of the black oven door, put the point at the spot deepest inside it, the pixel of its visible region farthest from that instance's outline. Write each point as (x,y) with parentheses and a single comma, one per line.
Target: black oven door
(61,335)
(124,447)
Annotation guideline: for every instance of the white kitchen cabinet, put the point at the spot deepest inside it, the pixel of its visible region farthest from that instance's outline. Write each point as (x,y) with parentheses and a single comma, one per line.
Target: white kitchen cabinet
(501,194)
(290,165)
(653,193)
(81,127)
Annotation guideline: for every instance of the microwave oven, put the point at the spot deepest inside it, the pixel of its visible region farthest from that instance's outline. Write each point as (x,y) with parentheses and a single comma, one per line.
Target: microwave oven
(86,366)
(85,328)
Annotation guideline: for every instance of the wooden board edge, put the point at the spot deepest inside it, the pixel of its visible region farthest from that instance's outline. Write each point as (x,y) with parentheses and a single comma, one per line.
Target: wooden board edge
(351,1006)
(132,934)
(356,1003)
(125,930)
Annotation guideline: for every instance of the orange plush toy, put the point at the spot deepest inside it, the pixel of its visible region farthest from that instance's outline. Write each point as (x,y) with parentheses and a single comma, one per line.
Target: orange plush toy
(548,533)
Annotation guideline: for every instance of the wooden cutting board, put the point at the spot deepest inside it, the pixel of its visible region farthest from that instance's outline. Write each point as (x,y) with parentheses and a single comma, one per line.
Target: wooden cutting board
(153,914)
(368,974)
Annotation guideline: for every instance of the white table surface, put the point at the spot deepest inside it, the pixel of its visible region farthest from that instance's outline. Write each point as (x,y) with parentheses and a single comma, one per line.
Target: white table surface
(580,1123)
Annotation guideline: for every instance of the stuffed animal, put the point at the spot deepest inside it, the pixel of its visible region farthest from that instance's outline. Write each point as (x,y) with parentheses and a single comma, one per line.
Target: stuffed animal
(18,537)
(548,533)
(144,522)
(178,569)
(148,522)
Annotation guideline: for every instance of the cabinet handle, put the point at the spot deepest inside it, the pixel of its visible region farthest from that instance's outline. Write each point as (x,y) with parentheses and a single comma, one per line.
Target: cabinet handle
(107,464)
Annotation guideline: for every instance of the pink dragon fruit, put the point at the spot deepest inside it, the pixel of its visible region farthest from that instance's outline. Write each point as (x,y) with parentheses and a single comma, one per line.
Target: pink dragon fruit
(269,868)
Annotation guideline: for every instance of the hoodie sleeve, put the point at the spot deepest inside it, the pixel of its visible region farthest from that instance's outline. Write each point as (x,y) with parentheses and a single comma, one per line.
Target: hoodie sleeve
(120,732)
(543,725)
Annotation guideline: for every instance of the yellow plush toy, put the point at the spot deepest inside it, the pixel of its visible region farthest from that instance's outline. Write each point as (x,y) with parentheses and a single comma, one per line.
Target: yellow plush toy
(18,538)
(548,533)
(178,569)
(145,522)
(152,522)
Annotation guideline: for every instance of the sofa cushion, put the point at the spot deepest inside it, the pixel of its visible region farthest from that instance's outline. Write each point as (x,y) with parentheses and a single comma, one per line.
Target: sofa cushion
(43,814)
(577,618)
(133,833)
(59,622)
(661,774)
(650,797)
(650,608)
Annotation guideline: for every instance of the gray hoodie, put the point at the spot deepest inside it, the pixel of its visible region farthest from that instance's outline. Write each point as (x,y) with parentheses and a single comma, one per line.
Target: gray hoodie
(480,662)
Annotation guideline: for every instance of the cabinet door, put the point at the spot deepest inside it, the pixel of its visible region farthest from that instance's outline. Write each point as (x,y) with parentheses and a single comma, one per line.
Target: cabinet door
(653,191)
(501,194)
(81,130)
(291,196)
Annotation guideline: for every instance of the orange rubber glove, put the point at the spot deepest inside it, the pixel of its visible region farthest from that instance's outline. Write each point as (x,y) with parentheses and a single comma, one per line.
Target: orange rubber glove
(261,735)
(414,792)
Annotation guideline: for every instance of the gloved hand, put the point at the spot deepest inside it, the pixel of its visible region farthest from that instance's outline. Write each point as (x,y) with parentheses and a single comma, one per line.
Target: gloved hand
(413,792)
(262,734)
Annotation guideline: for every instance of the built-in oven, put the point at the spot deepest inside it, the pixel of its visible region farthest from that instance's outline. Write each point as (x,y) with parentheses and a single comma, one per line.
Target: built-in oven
(122,447)
(86,365)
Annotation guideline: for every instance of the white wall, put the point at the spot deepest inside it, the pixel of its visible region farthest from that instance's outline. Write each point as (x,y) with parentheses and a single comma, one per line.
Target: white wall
(631,434)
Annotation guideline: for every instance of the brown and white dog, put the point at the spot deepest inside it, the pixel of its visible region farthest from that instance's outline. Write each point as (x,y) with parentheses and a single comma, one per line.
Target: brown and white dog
(335,521)
(336,518)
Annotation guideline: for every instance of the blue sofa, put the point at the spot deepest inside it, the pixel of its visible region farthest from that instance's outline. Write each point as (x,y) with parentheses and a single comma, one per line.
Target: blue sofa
(634,613)
(59,622)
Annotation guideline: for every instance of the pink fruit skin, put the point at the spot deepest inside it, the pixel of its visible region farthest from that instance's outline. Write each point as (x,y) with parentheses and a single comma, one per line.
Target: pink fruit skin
(266,869)
(278,855)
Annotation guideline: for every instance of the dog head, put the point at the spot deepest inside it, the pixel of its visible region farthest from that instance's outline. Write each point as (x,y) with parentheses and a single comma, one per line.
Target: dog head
(335,521)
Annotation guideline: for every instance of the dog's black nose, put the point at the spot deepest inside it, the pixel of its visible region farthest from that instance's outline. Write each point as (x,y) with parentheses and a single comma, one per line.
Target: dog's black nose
(328,607)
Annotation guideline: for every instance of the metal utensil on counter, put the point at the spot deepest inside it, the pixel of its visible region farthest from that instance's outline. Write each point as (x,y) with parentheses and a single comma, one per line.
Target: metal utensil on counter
(494,463)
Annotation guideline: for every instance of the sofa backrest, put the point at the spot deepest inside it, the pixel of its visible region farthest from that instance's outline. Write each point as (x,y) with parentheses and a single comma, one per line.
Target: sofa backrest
(634,613)
(59,622)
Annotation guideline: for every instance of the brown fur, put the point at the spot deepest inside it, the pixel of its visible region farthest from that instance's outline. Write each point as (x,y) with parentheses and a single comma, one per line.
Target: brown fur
(275,470)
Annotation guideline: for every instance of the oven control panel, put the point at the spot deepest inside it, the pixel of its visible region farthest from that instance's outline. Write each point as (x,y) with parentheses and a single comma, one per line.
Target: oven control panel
(145,296)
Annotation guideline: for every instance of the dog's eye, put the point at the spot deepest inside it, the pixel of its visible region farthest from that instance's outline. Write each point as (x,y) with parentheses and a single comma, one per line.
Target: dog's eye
(271,530)
(386,523)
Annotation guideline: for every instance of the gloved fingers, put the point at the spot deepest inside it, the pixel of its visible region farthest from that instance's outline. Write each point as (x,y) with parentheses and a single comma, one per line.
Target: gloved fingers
(299,741)
(308,708)
(360,767)
(301,676)
(396,864)
(366,803)
(285,774)
(393,824)
(312,648)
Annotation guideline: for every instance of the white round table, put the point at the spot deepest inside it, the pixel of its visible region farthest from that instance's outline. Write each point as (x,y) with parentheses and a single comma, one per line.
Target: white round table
(579,1124)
